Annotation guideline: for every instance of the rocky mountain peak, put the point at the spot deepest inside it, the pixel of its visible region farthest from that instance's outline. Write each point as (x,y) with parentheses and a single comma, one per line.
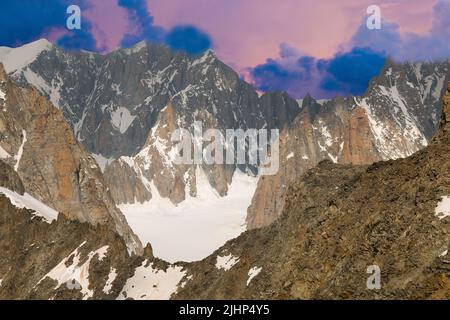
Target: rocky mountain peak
(308,98)
(396,117)
(15,59)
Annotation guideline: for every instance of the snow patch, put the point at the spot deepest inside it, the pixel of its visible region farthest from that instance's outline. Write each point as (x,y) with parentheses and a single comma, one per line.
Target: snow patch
(443,254)
(74,273)
(253,273)
(387,138)
(3,52)
(197,227)
(443,208)
(111,277)
(410,84)
(203,59)
(136,48)
(28,202)
(19,154)
(438,89)
(102,161)
(322,101)
(116,88)
(14,59)
(226,262)
(149,283)
(4,154)
(121,119)
(184,283)
(333,158)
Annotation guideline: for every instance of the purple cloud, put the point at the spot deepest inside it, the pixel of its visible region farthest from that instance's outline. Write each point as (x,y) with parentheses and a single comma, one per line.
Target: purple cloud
(297,74)
(23,23)
(141,22)
(187,38)
(357,62)
(435,45)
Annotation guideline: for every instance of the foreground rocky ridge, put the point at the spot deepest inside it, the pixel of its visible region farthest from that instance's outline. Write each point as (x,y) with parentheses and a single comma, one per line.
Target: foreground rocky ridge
(65,259)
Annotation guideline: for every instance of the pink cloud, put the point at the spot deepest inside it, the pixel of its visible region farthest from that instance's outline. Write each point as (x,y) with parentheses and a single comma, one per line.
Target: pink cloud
(246,32)
(109,23)
(54,34)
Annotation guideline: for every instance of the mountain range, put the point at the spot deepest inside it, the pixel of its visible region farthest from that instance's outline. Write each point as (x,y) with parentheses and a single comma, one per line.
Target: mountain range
(88,136)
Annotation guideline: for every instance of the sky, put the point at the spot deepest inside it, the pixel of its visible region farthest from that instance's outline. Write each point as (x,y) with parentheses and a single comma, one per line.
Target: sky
(322,47)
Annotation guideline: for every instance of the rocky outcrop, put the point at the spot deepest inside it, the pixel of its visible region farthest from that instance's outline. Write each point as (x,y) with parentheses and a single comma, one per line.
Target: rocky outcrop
(396,117)
(9,179)
(333,131)
(52,165)
(124,184)
(26,262)
(154,167)
(340,223)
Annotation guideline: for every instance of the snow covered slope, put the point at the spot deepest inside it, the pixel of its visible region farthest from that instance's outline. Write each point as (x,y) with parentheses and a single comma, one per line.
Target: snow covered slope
(15,59)
(403,106)
(28,202)
(149,283)
(196,227)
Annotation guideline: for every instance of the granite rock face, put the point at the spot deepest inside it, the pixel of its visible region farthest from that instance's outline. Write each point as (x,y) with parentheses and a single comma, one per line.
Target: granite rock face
(53,166)
(115,102)
(443,133)
(9,179)
(395,118)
